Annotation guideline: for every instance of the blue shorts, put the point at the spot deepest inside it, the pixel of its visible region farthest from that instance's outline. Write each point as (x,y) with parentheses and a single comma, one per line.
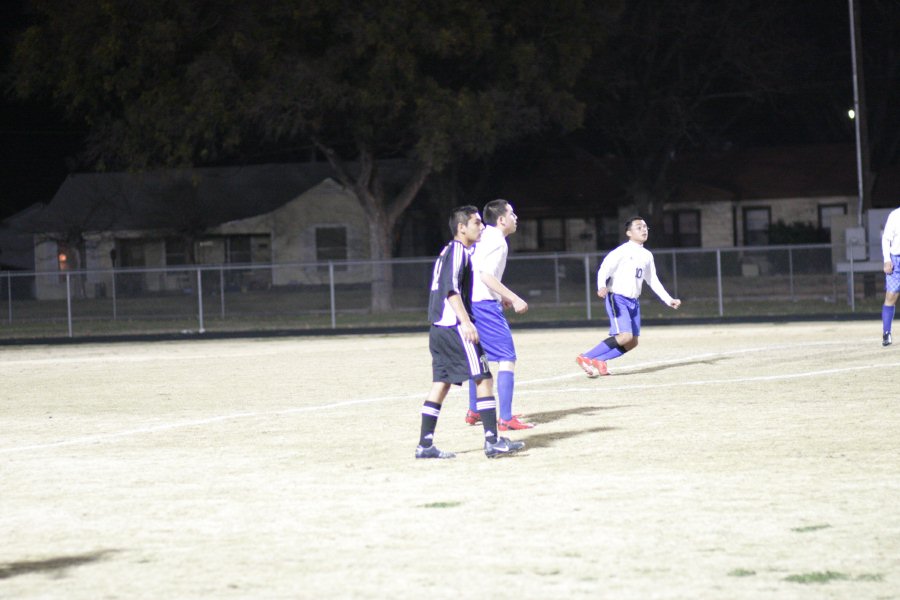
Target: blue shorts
(493,330)
(892,281)
(624,314)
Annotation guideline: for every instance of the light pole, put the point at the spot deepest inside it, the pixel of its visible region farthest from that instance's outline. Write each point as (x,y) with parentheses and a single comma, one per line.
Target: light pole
(859,110)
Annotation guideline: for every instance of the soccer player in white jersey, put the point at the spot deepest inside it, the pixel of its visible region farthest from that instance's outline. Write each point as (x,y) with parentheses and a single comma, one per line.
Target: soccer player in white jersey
(456,354)
(619,282)
(890,251)
(489,296)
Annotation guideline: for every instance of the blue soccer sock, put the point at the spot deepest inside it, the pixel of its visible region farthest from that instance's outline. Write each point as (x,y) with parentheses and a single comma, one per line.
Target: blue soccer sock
(473,395)
(430,413)
(487,408)
(887,317)
(505,384)
(608,349)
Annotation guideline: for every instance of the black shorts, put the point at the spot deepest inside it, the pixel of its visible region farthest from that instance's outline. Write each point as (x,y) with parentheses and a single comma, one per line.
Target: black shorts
(453,359)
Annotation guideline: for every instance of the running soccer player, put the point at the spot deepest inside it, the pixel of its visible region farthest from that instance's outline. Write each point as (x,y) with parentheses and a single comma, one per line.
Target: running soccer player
(456,355)
(890,251)
(489,296)
(619,282)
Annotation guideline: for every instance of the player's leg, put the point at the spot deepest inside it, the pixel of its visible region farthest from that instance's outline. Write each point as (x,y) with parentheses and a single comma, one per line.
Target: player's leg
(494,444)
(621,337)
(472,416)
(497,341)
(431,411)
(445,369)
(891,293)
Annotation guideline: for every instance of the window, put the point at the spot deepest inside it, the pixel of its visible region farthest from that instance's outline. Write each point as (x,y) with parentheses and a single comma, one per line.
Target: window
(237,249)
(609,232)
(131,253)
(681,229)
(757,222)
(551,235)
(331,244)
(65,257)
(827,212)
(525,238)
(176,251)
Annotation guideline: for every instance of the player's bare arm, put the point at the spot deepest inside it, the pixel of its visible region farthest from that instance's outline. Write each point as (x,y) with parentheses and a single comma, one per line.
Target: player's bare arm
(466,326)
(510,299)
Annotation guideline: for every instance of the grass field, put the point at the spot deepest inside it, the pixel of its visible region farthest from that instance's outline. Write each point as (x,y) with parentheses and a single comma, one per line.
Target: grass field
(727,461)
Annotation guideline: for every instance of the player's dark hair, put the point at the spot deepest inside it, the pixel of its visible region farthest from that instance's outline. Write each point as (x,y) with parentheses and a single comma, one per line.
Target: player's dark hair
(632,220)
(493,210)
(461,214)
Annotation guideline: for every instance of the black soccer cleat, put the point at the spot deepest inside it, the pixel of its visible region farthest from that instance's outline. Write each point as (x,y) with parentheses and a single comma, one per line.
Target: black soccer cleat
(886,339)
(432,452)
(502,447)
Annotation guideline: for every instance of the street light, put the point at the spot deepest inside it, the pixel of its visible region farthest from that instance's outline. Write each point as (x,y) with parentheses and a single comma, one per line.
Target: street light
(859,109)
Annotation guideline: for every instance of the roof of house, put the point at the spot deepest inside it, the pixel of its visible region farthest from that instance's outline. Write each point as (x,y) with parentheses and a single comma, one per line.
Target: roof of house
(178,199)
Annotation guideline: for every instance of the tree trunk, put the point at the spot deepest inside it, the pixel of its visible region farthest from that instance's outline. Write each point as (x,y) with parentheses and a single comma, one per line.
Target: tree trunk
(383,214)
(382,269)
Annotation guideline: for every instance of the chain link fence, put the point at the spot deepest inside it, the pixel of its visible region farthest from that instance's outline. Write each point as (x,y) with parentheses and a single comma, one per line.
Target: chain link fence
(775,281)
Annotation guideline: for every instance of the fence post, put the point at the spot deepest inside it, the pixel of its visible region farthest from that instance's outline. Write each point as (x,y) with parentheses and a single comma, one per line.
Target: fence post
(851,283)
(331,292)
(200,300)
(115,308)
(222,290)
(69,303)
(674,273)
(791,271)
(587,284)
(556,275)
(719,280)
(9,296)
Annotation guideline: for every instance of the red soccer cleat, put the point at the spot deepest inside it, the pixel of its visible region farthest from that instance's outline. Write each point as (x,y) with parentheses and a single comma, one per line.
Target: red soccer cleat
(472,417)
(588,365)
(600,365)
(514,424)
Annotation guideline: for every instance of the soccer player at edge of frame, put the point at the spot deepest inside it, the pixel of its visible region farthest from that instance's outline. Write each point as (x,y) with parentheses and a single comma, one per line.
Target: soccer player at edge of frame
(890,251)
(456,354)
(620,279)
(489,297)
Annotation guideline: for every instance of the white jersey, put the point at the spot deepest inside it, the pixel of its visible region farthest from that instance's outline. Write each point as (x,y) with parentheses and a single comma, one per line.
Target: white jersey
(489,257)
(890,239)
(625,269)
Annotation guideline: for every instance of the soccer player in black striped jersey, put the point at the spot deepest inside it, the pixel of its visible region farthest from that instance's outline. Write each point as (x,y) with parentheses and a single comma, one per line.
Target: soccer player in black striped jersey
(456,355)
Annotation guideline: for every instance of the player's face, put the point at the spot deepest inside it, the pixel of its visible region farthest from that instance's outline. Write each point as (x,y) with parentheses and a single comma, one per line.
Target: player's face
(472,230)
(638,232)
(509,220)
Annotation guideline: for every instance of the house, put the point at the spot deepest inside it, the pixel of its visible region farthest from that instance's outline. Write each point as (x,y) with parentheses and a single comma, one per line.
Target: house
(159,222)
(728,199)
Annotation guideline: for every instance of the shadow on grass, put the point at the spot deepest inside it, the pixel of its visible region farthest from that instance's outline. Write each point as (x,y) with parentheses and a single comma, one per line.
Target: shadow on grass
(669,367)
(549,416)
(54,565)
(545,440)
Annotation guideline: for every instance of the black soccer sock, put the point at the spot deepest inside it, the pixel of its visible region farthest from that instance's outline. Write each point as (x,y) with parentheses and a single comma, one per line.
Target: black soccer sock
(430,413)
(487,408)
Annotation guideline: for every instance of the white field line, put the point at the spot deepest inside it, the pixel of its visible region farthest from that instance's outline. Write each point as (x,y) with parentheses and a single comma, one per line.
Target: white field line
(94,439)
(578,373)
